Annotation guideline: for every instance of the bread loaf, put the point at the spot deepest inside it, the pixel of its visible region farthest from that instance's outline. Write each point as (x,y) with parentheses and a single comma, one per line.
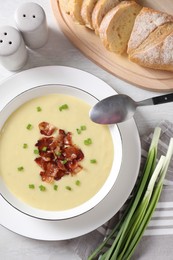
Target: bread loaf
(100,10)
(146,22)
(124,26)
(86,12)
(156,51)
(116,26)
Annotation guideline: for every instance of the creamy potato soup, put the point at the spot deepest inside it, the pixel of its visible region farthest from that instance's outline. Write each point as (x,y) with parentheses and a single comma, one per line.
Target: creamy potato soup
(19,154)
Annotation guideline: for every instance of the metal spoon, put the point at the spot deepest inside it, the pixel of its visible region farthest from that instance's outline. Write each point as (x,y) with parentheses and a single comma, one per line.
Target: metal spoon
(119,108)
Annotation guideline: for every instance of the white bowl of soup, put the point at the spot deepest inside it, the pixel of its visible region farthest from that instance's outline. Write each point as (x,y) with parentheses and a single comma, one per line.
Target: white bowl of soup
(55,163)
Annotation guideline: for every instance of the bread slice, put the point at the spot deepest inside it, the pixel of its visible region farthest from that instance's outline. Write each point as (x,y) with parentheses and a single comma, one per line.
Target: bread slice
(64,5)
(156,51)
(146,22)
(116,26)
(100,10)
(86,12)
(74,7)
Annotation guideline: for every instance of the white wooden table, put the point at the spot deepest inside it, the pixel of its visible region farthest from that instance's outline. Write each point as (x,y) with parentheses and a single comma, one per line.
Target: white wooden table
(59,51)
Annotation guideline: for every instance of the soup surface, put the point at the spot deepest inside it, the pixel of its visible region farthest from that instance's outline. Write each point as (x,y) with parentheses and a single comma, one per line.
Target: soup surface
(18,152)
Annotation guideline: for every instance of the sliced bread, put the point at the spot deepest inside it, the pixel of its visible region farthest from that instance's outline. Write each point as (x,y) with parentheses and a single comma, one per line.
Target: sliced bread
(156,51)
(117,24)
(100,10)
(74,7)
(146,22)
(64,5)
(86,12)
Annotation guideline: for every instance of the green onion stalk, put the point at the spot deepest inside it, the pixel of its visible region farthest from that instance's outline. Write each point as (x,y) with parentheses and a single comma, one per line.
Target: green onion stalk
(129,230)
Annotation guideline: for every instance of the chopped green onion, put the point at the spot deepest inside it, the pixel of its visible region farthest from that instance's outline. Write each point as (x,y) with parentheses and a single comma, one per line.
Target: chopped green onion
(29,127)
(129,230)
(21,168)
(44,149)
(42,188)
(63,107)
(68,188)
(93,161)
(78,131)
(55,187)
(78,183)
(83,127)
(31,186)
(36,151)
(58,153)
(39,109)
(64,161)
(25,146)
(88,141)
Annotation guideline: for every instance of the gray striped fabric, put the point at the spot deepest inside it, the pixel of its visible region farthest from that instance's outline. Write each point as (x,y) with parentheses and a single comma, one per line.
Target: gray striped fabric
(157,240)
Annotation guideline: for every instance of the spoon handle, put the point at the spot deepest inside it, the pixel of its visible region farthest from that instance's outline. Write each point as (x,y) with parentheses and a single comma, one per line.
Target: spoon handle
(163,99)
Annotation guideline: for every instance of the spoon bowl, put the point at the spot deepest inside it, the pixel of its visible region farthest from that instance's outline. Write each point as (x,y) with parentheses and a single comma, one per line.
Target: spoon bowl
(119,108)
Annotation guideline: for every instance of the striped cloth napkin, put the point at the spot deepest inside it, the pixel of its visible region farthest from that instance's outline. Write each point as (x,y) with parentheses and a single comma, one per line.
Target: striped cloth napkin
(157,240)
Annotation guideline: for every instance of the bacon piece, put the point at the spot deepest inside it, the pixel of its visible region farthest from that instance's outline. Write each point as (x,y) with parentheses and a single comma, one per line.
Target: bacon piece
(61,137)
(77,169)
(44,142)
(41,162)
(71,165)
(72,152)
(51,169)
(54,145)
(60,174)
(68,139)
(47,156)
(58,156)
(46,178)
(61,165)
(46,128)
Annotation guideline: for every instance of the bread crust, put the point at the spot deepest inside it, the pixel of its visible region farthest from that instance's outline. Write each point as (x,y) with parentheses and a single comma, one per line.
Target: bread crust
(159,56)
(86,12)
(116,26)
(156,51)
(64,5)
(74,7)
(146,22)
(100,10)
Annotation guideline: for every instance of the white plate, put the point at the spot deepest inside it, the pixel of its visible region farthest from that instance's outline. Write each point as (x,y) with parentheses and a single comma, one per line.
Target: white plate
(66,229)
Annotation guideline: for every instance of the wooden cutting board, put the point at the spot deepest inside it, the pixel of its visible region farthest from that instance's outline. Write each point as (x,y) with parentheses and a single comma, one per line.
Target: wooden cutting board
(88,43)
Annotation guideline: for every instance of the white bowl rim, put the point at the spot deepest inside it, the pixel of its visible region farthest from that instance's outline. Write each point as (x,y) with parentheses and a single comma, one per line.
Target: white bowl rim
(105,189)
